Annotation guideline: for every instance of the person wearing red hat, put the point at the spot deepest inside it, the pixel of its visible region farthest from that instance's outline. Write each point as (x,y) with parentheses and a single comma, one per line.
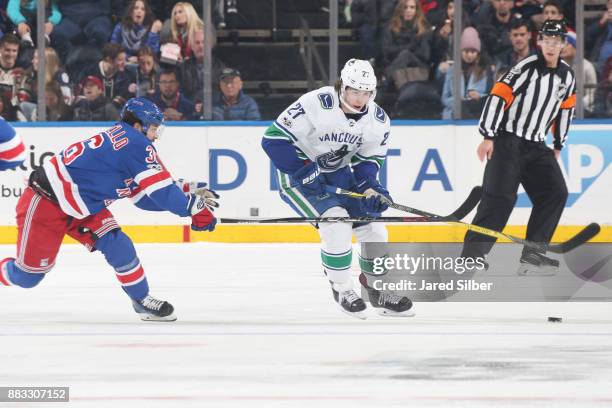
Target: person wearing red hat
(93,105)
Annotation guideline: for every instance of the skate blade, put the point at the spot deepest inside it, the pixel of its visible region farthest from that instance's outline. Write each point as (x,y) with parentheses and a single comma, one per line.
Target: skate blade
(151,318)
(391,313)
(531,270)
(358,315)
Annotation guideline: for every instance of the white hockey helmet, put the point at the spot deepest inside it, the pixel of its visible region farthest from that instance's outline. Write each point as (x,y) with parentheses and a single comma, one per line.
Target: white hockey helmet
(357,74)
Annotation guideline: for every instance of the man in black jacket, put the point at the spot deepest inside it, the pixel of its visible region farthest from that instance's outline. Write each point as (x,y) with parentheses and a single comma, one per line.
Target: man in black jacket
(190,72)
(94,107)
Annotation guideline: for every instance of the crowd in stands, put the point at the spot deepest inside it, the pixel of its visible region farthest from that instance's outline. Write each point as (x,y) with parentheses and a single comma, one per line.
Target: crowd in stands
(99,53)
(410,44)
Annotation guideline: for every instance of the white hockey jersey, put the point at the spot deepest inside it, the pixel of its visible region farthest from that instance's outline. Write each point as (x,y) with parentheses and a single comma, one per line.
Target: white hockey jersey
(321,132)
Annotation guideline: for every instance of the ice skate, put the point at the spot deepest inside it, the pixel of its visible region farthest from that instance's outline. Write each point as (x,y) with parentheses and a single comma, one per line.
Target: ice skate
(535,264)
(151,309)
(350,302)
(388,303)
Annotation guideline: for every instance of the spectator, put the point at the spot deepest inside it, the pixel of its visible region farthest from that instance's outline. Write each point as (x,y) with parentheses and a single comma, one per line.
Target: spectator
(434,11)
(602,48)
(11,76)
(479,74)
(364,18)
(82,18)
(407,44)
(191,71)
(183,25)
(174,105)
(8,110)
(590,75)
(495,26)
(94,106)
(137,29)
(56,108)
(23,14)
(54,73)
(520,37)
(603,96)
(442,48)
(552,10)
(146,78)
(233,103)
(112,73)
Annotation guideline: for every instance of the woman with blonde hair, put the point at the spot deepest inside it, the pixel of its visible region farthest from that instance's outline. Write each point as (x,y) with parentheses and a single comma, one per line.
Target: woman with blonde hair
(54,73)
(407,44)
(183,24)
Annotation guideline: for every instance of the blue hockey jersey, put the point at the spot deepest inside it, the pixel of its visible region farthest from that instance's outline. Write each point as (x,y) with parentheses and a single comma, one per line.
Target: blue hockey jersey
(120,162)
(12,150)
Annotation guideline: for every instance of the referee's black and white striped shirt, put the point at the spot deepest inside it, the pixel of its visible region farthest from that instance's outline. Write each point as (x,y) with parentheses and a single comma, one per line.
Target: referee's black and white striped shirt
(531,99)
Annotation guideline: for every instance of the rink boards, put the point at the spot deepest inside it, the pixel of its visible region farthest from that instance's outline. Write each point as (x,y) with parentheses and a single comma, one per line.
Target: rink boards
(431,166)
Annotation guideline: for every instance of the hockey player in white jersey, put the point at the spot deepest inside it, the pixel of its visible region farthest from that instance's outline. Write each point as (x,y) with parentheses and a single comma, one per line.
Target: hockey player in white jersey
(337,136)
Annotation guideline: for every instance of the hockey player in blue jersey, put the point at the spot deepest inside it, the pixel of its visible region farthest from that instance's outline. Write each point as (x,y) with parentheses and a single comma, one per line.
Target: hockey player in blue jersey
(12,150)
(70,192)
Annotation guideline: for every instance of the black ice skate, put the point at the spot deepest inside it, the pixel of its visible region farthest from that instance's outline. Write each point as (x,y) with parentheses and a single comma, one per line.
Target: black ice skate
(350,302)
(536,264)
(387,303)
(151,309)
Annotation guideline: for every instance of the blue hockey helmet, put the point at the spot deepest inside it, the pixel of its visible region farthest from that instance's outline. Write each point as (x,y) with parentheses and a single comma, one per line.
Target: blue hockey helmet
(145,111)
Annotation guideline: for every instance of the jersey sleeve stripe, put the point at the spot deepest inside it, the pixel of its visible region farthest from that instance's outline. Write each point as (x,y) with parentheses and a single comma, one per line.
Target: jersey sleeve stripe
(155,182)
(285,130)
(144,174)
(66,191)
(272,132)
(17,153)
(10,144)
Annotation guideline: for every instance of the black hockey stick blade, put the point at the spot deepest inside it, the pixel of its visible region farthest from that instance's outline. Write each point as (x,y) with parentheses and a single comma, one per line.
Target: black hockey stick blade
(468,205)
(582,237)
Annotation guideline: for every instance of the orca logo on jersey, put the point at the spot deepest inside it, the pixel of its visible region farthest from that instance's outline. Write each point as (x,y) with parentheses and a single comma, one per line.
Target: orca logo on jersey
(333,159)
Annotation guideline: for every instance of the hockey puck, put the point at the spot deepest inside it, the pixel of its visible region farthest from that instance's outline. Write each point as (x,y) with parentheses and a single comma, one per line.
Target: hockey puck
(555,319)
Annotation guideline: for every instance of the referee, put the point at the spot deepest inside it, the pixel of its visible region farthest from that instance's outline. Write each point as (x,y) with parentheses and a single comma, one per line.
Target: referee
(534,97)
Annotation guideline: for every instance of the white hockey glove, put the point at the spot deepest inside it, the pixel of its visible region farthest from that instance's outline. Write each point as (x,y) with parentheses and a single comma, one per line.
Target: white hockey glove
(199,188)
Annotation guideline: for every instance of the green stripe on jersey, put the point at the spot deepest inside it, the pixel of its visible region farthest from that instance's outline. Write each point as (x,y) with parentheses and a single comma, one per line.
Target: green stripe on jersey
(337,261)
(272,132)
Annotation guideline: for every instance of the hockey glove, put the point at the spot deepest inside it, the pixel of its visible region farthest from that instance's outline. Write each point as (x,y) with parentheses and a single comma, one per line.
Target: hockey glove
(198,188)
(201,217)
(308,177)
(377,197)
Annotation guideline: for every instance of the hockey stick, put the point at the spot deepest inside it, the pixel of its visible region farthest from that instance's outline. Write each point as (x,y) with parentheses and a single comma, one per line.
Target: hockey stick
(296,220)
(463,210)
(580,238)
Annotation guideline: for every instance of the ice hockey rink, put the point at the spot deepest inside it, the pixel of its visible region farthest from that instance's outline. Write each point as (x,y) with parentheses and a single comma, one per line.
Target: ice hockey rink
(258,328)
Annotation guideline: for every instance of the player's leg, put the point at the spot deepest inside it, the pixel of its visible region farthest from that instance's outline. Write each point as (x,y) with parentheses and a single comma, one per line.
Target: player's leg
(387,303)
(499,187)
(41,226)
(545,186)
(101,232)
(336,245)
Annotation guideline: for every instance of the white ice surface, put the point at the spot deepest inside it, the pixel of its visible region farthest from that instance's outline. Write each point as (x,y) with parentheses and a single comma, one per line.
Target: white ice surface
(258,328)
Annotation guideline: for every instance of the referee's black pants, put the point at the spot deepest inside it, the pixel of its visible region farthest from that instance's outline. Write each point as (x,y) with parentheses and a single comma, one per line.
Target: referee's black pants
(532,164)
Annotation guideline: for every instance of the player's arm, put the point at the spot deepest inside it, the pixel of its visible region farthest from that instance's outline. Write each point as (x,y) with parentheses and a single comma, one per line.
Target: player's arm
(366,165)
(279,138)
(501,98)
(561,123)
(12,149)
(162,193)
